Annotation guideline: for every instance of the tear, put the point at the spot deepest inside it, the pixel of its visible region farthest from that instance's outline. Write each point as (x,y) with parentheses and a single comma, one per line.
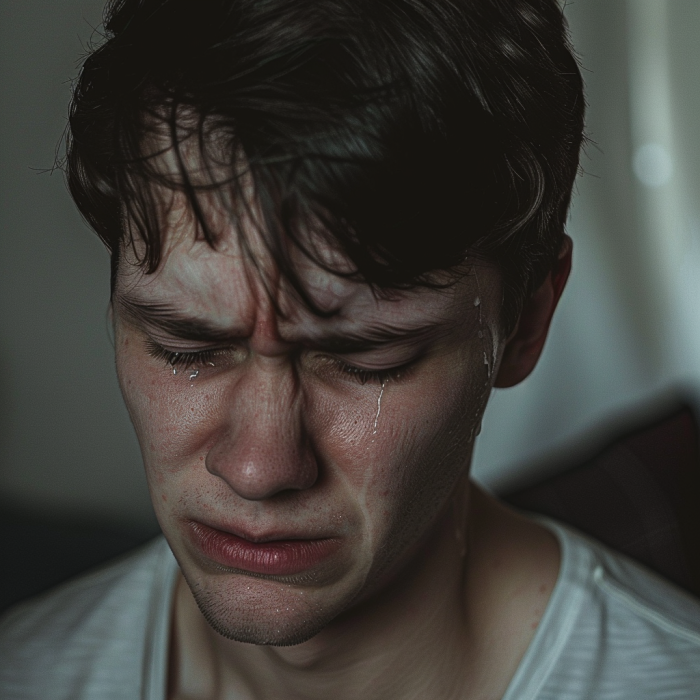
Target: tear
(379,408)
(484,333)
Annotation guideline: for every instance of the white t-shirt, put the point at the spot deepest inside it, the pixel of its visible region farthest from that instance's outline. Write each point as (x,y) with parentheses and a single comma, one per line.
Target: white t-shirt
(611,629)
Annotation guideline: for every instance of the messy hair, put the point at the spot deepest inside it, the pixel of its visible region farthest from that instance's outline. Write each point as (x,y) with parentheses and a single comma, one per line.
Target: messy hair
(408,134)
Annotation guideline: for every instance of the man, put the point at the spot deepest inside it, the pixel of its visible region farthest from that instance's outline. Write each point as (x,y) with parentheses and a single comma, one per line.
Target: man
(335,225)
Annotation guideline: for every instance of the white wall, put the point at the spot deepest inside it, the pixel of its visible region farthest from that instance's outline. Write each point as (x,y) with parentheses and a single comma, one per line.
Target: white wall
(628,331)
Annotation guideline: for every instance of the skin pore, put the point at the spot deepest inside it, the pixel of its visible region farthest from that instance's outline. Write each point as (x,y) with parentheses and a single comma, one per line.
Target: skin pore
(356,427)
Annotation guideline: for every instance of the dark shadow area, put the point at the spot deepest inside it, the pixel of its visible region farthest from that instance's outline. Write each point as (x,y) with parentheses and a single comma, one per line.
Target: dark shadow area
(639,495)
(38,553)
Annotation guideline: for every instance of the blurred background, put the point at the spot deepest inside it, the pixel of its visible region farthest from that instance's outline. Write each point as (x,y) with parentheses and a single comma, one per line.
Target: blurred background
(624,347)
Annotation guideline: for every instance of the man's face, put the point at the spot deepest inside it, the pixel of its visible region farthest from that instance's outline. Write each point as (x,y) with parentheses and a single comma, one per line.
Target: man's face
(296,462)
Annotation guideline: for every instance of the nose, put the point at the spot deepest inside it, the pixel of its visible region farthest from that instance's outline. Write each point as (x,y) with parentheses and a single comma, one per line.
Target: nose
(264,448)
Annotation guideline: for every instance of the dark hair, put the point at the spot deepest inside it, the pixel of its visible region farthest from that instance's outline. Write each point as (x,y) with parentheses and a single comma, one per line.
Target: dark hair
(409,133)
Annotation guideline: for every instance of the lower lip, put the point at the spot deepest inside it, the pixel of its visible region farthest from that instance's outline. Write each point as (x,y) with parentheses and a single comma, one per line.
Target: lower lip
(275,558)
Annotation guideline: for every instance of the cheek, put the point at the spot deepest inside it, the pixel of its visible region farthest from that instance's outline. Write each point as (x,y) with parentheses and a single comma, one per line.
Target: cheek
(168,410)
(424,458)
(420,446)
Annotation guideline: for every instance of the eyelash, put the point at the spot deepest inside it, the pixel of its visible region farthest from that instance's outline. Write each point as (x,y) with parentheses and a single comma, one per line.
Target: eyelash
(365,376)
(186,360)
(181,360)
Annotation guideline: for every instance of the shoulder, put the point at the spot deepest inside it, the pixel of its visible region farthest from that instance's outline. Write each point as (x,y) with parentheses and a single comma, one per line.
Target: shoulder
(644,596)
(81,638)
(622,587)
(622,631)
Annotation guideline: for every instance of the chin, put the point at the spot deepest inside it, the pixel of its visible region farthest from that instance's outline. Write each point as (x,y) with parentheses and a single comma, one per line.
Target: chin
(273,633)
(257,610)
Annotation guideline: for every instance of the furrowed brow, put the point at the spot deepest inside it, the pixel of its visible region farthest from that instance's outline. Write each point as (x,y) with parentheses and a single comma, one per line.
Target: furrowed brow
(165,318)
(170,321)
(381,335)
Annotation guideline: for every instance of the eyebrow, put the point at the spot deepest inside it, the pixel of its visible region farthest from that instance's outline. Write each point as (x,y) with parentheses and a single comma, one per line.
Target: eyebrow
(378,335)
(173,322)
(165,318)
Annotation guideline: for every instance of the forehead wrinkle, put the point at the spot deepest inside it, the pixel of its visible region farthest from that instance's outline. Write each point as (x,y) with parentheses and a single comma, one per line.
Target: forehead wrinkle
(168,319)
(200,283)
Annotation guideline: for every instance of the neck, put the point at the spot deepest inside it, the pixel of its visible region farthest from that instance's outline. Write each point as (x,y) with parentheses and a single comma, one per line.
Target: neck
(453,623)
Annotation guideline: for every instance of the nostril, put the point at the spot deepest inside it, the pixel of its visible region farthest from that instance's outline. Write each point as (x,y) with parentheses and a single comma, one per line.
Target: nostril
(256,473)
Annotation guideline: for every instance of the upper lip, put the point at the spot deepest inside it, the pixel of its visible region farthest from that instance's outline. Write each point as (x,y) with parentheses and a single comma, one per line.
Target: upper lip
(270,535)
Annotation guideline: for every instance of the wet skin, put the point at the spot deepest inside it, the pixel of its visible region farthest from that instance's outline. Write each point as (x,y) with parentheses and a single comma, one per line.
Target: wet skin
(356,428)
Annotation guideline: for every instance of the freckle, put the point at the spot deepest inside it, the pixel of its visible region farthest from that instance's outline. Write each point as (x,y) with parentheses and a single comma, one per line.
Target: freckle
(165,498)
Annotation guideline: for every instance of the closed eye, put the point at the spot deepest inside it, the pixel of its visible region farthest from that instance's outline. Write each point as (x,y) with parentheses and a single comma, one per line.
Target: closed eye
(367,376)
(184,360)
(202,358)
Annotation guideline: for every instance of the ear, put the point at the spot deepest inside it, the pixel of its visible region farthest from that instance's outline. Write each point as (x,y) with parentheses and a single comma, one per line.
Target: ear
(525,344)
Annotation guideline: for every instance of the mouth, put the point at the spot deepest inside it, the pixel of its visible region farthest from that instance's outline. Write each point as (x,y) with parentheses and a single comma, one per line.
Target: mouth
(274,557)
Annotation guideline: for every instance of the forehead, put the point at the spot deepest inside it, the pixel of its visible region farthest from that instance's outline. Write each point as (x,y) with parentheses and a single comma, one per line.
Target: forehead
(231,282)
